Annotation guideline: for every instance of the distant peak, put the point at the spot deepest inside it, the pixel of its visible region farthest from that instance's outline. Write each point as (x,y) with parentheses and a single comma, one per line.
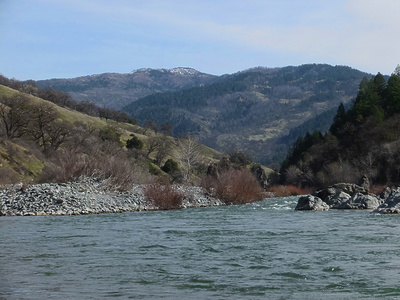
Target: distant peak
(182,70)
(177,70)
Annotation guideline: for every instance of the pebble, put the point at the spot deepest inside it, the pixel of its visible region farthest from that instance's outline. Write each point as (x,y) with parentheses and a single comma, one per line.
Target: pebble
(86,196)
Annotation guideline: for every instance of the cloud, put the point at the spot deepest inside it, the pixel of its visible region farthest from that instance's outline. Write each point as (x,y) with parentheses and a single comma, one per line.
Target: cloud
(217,36)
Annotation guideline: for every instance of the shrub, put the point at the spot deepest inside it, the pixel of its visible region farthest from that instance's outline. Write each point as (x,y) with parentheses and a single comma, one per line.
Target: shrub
(8,176)
(163,196)
(110,133)
(287,190)
(134,142)
(234,186)
(170,166)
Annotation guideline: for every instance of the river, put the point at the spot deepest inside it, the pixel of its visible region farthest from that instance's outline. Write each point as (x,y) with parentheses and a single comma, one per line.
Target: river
(264,250)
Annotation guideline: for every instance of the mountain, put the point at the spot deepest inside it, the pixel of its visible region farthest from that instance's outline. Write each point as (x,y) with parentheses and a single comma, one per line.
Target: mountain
(114,90)
(260,111)
(255,110)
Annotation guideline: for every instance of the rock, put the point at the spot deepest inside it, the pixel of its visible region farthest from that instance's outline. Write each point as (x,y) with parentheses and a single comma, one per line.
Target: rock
(338,194)
(385,193)
(350,188)
(361,201)
(310,202)
(391,204)
(364,182)
(86,196)
(337,199)
(261,176)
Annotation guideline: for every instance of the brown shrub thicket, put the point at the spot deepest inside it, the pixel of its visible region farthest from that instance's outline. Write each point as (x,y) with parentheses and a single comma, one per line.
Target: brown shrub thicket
(118,171)
(163,196)
(287,190)
(8,176)
(234,186)
(377,189)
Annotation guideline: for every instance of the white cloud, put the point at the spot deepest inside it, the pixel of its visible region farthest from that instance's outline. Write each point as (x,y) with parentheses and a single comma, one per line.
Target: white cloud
(359,33)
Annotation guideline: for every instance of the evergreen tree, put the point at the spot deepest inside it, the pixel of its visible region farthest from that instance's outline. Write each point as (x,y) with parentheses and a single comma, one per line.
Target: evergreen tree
(338,120)
(134,142)
(392,103)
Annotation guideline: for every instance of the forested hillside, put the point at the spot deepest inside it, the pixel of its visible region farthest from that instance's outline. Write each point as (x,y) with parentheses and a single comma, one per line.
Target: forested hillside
(258,111)
(114,90)
(362,141)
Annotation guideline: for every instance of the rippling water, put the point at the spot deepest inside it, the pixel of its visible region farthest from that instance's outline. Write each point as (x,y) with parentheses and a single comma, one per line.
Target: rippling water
(264,250)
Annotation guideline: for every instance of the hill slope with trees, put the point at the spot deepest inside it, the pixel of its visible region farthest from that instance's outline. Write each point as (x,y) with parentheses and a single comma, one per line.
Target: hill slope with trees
(255,110)
(114,90)
(362,141)
(44,141)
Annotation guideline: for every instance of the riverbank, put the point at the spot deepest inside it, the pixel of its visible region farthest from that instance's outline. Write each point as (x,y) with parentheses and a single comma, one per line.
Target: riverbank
(86,196)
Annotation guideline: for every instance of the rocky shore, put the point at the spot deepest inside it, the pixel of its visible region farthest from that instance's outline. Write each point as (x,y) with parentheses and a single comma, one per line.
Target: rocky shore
(351,196)
(86,197)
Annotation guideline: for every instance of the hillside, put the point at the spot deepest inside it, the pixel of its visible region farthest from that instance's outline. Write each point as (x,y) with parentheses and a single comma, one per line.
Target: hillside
(115,90)
(255,110)
(362,142)
(44,142)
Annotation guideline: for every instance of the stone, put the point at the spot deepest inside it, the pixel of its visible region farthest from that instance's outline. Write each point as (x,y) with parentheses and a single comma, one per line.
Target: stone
(85,197)
(361,201)
(310,202)
(391,204)
(338,194)
(350,188)
(337,199)
(385,193)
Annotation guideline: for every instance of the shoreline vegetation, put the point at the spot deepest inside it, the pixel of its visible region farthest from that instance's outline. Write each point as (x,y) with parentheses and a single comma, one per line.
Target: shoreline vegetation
(94,196)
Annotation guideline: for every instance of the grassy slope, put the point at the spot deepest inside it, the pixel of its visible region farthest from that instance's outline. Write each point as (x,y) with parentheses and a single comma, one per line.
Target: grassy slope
(18,160)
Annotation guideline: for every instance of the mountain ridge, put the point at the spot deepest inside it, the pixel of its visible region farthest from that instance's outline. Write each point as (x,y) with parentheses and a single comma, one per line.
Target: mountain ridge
(253,109)
(114,90)
(250,110)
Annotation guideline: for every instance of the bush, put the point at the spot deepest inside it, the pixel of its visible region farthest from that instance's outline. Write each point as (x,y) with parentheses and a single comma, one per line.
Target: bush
(234,186)
(134,142)
(111,134)
(163,196)
(170,166)
(8,176)
(287,190)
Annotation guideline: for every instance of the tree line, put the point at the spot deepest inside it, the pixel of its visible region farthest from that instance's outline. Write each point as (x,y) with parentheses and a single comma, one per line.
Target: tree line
(362,140)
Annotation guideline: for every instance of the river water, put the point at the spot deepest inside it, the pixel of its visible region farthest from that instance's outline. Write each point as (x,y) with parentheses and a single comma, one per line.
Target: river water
(264,250)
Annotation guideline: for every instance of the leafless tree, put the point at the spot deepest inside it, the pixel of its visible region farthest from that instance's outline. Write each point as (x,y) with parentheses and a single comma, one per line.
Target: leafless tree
(14,115)
(42,119)
(189,156)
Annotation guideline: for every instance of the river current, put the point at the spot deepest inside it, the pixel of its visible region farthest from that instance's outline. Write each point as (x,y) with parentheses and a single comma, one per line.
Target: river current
(263,250)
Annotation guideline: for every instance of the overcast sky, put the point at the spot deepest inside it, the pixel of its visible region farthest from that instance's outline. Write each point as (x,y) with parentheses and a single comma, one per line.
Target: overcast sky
(42,39)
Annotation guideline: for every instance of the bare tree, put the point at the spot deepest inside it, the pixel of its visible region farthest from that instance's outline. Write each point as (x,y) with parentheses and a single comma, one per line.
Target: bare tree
(189,156)
(43,117)
(58,134)
(14,115)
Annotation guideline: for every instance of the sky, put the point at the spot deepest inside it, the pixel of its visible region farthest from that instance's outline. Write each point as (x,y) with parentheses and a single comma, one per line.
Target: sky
(42,39)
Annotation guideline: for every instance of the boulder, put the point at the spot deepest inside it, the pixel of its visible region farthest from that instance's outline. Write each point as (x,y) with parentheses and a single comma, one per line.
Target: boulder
(310,202)
(385,193)
(337,199)
(338,194)
(391,204)
(361,201)
(350,188)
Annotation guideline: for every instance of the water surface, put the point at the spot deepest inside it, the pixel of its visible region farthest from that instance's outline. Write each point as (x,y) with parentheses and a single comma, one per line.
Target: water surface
(264,250)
